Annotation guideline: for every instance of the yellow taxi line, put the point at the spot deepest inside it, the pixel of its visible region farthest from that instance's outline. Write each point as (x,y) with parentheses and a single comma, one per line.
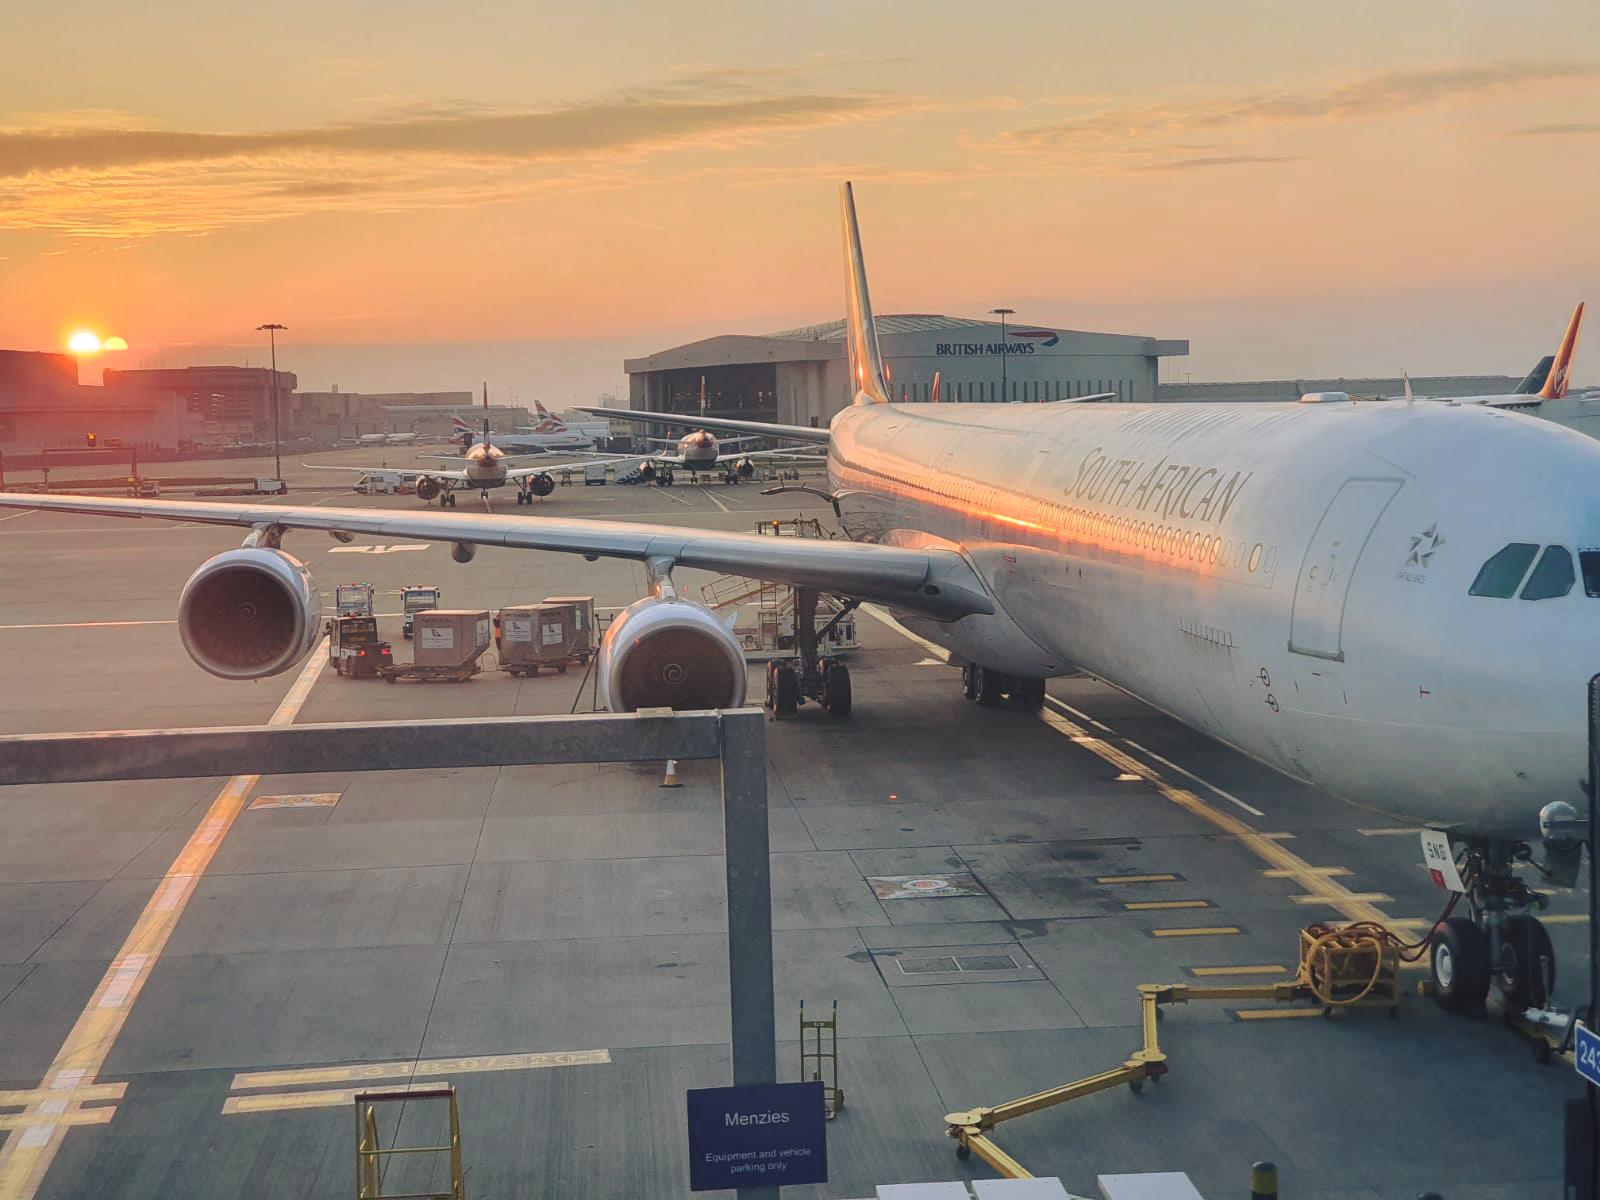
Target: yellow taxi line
(362,1072)
(27,1155)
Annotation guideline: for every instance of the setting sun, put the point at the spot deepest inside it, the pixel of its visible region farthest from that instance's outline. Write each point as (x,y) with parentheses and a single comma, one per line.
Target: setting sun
(84,341)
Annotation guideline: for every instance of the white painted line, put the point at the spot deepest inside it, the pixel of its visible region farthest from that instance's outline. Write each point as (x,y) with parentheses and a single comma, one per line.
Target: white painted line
(711,496)
(1167,762)
(1391,831)
(18,516)
(89,624)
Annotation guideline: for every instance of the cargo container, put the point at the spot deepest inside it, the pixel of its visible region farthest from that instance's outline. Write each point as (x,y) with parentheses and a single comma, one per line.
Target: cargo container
(448,637)
(531,636)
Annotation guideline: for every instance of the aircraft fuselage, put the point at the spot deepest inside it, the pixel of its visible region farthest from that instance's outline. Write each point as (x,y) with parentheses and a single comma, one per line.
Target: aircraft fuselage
(1291,579)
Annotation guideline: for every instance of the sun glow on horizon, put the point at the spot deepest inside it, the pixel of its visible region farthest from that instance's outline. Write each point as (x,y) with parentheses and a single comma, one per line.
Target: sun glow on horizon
(84,341)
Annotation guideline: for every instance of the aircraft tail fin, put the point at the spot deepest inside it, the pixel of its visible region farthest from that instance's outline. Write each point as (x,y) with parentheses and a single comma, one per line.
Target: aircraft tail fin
(867,374)
(485,414)
(1555,386)
(934,394)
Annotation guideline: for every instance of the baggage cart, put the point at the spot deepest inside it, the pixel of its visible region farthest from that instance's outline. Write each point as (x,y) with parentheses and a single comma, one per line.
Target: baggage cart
(535,636)
(586,637)
(449,643)
(354,649)
(352,600)
(415,598)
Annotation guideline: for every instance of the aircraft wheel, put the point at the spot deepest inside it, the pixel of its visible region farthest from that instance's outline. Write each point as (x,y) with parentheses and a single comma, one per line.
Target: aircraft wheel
(1459,958)
(1029,694)
(989,686)
(784,691)
(969,681)
(838,690)
(1529,977)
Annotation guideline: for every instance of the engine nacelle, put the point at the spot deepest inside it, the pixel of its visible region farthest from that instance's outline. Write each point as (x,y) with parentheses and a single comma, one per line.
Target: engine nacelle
(669,653)
(428,487)
(541,484)
(250,613)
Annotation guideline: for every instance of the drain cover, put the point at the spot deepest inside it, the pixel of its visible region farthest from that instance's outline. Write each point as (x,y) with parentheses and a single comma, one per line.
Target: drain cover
(925,887)
(986,962)
(925,966)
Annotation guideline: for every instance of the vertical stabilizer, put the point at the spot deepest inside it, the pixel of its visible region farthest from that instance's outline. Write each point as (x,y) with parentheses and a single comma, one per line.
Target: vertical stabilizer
(702,395)
(485,414)
(1555,386)
(867,376)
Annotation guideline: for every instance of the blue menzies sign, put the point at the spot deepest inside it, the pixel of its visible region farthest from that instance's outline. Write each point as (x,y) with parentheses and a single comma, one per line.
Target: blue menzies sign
(1586,1053)
(770,1134)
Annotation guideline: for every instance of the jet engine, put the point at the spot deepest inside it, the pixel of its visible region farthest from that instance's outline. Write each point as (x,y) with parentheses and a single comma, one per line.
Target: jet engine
(541,484)
(428,487)
(670,653)
(250,613)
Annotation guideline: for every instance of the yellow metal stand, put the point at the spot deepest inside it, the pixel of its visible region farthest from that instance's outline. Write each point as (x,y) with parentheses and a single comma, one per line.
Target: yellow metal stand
(817,1063)
(1340,967)
(370,1153)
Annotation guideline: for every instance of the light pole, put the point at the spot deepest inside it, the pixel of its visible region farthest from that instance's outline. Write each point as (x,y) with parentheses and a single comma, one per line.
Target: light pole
(1003,313)
(271,329)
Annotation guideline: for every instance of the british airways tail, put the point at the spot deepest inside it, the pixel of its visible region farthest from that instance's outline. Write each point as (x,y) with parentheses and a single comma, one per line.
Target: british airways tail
(485,414)
(867,374)
(1555,385)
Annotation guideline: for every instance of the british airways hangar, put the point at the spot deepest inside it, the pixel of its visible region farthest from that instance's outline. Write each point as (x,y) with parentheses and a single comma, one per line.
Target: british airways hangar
(801,377)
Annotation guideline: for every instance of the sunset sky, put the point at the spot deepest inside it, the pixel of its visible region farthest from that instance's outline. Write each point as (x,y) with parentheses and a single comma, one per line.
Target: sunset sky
(430,195)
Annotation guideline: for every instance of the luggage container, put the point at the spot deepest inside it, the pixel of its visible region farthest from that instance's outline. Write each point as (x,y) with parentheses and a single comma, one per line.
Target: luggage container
(532,636)
(582,622)
(448,637)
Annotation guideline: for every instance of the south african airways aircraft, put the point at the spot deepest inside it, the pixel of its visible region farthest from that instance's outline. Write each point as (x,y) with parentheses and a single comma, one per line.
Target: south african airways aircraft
(1389,600)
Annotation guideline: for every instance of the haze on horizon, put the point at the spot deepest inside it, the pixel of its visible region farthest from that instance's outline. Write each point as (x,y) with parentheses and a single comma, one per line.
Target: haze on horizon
(524,194)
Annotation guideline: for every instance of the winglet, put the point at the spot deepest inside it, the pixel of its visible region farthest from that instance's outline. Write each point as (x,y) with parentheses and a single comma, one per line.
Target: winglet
(1406,375)
(934,397)
(867,376)
(1555,386)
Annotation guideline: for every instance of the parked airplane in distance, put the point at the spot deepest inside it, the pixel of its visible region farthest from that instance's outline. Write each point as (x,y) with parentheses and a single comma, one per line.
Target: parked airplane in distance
(485,467)
(1389,601)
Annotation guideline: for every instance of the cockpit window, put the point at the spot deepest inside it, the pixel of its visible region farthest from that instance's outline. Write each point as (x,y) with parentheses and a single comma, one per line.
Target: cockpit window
(1552,577)
(1501,574)
(1589,561)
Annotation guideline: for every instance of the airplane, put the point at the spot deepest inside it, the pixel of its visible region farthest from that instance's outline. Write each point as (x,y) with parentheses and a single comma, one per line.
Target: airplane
(698,450)
(593,430)
(1389,602)
(486,468)
(549,434)
(387,439)
(1549,379)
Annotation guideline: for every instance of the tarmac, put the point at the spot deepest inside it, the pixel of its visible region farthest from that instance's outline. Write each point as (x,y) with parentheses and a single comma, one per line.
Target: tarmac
(551,940)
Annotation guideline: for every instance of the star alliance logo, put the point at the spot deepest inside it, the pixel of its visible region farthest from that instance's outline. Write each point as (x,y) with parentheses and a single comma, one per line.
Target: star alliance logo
(1423,546)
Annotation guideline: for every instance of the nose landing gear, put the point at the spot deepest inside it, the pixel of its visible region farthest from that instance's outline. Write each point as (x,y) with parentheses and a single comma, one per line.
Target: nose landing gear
(1500,942)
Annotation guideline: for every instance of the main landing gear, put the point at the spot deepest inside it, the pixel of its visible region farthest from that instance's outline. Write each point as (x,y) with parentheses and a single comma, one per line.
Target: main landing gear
(1499,942)
(793,681)
(992,688)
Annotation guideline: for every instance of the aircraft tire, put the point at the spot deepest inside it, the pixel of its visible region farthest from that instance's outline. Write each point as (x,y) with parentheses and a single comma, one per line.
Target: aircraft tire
(1458,955)
(1531,979)
(838,690)
(969,681)
(989,685)
(785,691)
(1029,693)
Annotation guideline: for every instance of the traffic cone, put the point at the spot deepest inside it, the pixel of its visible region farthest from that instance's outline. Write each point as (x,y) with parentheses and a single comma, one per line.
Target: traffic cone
(672,774)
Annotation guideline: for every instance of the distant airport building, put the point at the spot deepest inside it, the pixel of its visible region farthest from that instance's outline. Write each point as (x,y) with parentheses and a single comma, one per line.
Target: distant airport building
(1279,390)
(800,377)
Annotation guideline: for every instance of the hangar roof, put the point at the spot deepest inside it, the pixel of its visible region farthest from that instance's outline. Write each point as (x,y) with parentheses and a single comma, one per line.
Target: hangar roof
(826,341)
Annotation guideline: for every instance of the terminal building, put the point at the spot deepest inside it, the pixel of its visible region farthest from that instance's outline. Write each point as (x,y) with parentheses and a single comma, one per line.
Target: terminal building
(800,376)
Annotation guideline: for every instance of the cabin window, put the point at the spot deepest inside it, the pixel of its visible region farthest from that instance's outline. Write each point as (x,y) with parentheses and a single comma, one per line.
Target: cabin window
(1553,576)
(1498,578)
(1589,561)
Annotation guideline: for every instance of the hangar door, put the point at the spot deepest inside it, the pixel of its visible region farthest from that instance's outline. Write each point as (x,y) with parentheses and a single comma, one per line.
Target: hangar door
(1330,564)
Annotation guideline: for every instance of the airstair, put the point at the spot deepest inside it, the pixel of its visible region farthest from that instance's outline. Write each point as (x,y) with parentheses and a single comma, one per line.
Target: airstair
(765,611)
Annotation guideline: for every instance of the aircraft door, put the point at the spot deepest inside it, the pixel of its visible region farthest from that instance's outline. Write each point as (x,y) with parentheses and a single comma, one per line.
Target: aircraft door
(1330,564)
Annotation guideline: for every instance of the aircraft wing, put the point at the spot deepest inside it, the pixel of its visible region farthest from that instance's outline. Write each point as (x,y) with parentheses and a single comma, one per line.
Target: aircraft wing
(411,472)
(935,581)
(798,433)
